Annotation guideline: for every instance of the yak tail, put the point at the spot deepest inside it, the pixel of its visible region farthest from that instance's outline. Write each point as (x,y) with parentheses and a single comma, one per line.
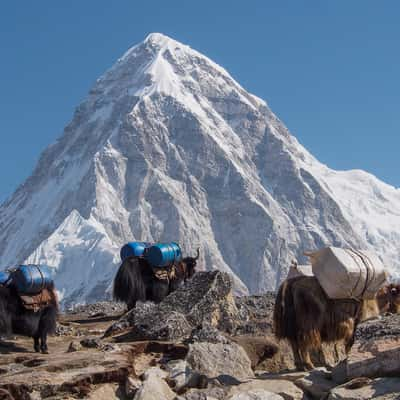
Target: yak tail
(129,286)
(284,313)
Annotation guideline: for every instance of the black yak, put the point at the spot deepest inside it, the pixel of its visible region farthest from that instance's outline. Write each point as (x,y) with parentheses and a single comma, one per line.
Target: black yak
(36,323)
(305,316)
(137,280)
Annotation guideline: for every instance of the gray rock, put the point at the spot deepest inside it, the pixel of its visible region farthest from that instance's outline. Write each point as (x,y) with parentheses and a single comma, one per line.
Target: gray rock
(74,346)
(131,386)
(91,342)
(213,393)
(206,298)
(154,388)
(365,389)
(214,359)
(104,392)
(154,372)
(256,394)
(288,390)
(181,376)
(385,327)
(317,383)
(376,351)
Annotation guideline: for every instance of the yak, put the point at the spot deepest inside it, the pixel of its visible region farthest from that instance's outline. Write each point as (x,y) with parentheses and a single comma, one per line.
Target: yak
(388,298)
(137,280)
(37,323)
(306,317)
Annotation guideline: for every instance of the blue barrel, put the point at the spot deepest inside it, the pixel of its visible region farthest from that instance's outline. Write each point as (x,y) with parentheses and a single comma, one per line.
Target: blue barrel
(4,277)
(133,249)
(163,254)
(31,279)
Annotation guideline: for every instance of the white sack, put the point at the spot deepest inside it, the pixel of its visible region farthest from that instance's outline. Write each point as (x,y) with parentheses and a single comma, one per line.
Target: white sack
(299,270)
(347,273)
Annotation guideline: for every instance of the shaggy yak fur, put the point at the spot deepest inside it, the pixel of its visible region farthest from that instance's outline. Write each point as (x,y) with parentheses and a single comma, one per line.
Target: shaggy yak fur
(16,319)
(135,280)
(305,316)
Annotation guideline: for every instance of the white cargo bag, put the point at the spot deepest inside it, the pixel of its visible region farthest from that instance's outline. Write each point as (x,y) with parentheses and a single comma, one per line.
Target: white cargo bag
(299,270)
(348,273)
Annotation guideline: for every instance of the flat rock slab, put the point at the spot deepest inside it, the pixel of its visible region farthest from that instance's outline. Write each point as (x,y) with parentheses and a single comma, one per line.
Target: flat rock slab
(317,383)
(378,389)
(286,389)
(374,358)
(66,372)
(256,394)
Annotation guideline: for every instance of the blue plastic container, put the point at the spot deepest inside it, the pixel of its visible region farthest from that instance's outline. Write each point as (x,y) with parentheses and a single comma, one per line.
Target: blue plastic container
(163,254)
(4,277)
(31,279)
(133,249)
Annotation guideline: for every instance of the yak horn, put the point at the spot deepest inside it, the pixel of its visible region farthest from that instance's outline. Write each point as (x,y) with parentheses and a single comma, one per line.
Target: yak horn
(198,253)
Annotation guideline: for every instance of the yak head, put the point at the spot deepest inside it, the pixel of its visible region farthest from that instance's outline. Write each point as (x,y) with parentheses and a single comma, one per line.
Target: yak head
(191,263)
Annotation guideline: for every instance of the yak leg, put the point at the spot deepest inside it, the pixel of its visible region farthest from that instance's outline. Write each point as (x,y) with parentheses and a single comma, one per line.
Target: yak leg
(36,345)
(301,356)
(43,342)
(349,334)
(304,353)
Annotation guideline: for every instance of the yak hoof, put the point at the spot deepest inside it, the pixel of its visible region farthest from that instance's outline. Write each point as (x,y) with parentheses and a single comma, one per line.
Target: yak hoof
(37,349)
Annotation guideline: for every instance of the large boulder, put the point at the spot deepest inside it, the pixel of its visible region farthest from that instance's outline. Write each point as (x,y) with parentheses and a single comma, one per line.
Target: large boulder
(375,353)
(256,394)
(206,298)
(286,389)
(365,389)
(215,359)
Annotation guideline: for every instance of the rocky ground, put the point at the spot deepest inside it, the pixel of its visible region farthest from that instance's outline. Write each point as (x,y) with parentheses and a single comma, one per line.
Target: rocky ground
(200,343)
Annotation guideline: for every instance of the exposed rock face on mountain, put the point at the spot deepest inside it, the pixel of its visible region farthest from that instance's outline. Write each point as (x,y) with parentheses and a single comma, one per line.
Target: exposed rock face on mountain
(167,146)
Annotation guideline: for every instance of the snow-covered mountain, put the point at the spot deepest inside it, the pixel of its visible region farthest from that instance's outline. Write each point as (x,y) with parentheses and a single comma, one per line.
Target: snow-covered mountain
(168,146)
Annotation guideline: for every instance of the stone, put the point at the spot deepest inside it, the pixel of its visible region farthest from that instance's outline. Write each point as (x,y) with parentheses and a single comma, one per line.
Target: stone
(131,386)
(256,394)
(214,393)
(339,372)
(110,347)
(91,342)
(365,389)
(206,298)
(267,354)
(74,346)
(68,373)
(104,392)
(179,374)
(374,358)
(286,389)
(317,383)
(154,372)
(154,388)
(214,359)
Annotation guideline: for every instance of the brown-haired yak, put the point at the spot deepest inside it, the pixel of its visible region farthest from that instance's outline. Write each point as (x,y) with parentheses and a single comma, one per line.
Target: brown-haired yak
(305,316)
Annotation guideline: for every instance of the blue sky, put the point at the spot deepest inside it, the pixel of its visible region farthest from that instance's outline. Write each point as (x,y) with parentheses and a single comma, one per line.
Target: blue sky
(328,69)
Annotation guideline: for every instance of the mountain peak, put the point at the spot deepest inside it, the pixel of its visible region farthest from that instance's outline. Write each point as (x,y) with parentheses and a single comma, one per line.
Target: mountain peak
(168,146)
(159,39)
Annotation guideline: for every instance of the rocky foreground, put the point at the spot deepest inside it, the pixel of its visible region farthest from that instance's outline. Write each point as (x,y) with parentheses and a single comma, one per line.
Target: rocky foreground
(200,343)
